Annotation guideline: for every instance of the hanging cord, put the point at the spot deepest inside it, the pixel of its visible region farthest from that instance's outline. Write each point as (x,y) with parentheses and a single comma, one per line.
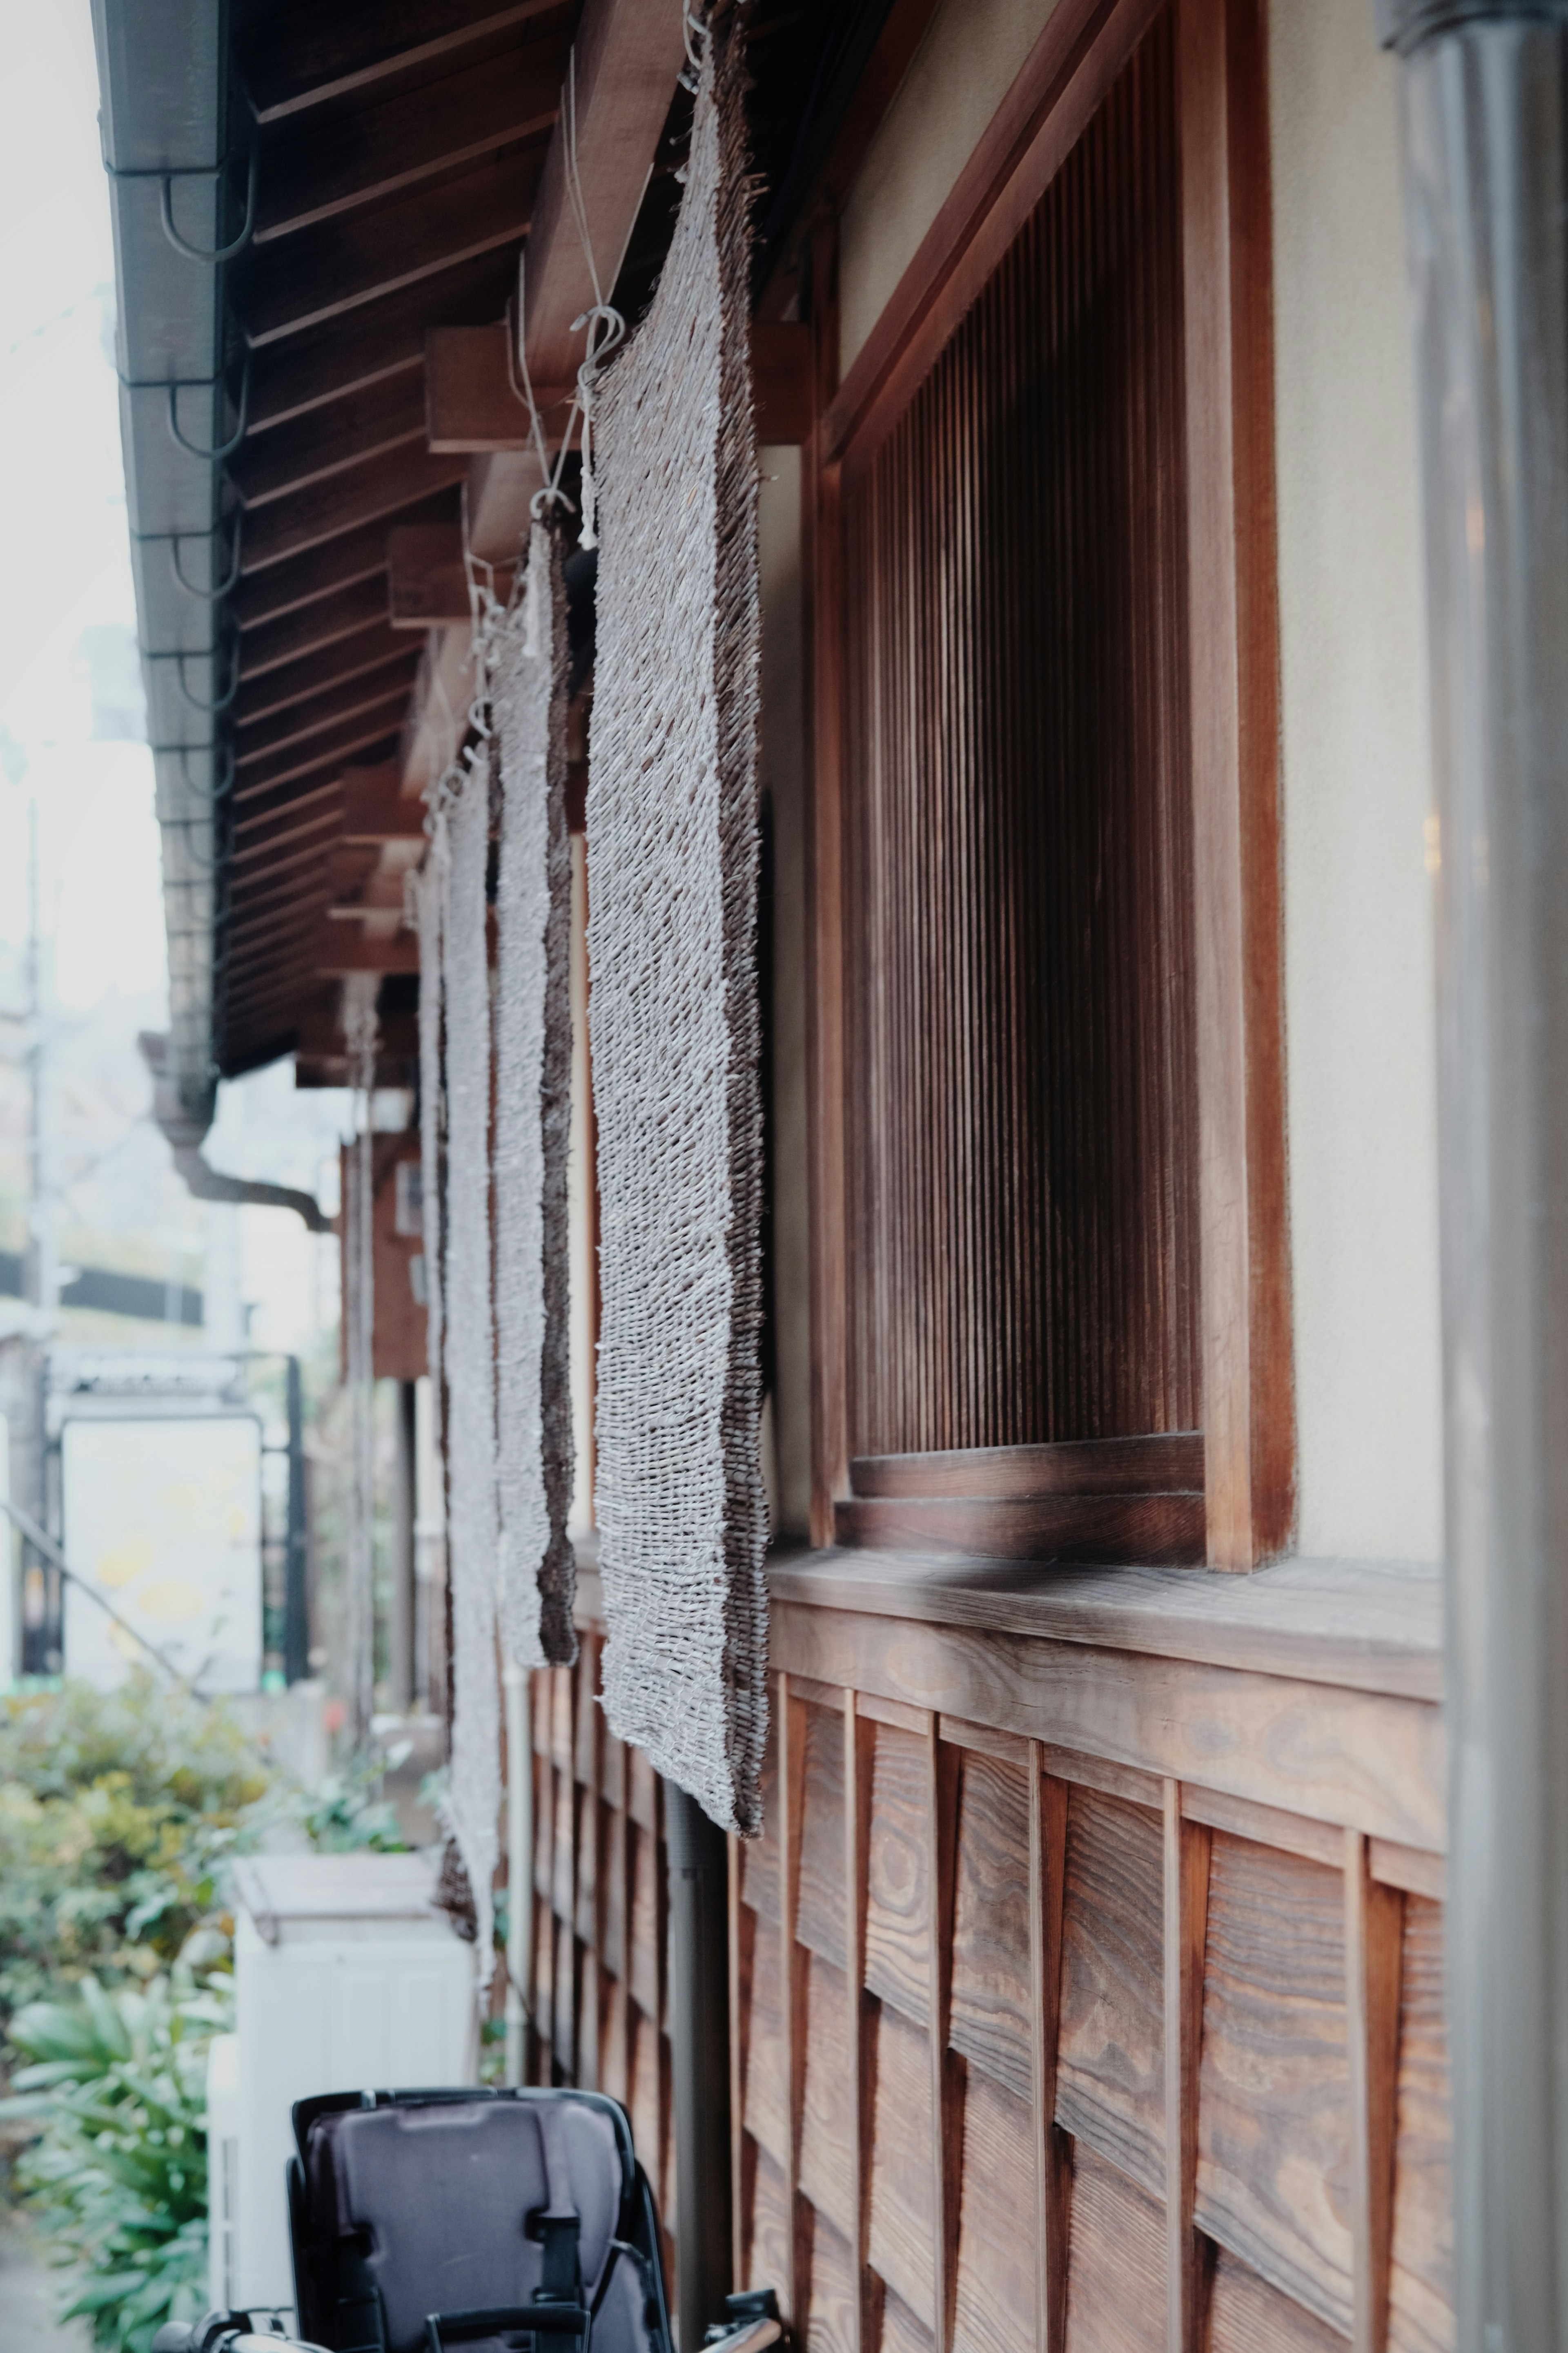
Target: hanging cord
(605,326)
(552,494)
(362,1031)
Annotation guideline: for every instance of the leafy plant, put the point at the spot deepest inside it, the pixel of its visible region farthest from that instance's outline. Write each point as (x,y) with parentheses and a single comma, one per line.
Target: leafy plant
(118,1812)
(118,2173)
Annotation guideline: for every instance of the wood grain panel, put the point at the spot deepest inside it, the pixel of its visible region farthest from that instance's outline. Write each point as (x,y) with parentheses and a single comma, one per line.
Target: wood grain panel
(760,1856)
(989,2022)
(1421,2280)
(995,2303)
(833,2291)
(1116,2263)
(644,2104)
(642,1790)
(819,1914)
(1248,2315)
(828,2100)
(898,1936)
(766,2114)
(769,2248)
(1157,1531)
(1352,1757)
(901,2225)
(1020,1017)
(1105,1466)
(1111,2083)
(1274,2111)
(902,2332)
(568,1989)
(646,1912)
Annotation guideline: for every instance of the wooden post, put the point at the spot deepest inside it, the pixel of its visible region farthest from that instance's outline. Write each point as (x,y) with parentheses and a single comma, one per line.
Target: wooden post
(1248,1381)
(789,1719)
(946,2069)
(858,1759)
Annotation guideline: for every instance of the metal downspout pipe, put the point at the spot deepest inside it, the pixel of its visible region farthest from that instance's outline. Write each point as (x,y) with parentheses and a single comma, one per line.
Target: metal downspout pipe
(1484,92)
(699,1858)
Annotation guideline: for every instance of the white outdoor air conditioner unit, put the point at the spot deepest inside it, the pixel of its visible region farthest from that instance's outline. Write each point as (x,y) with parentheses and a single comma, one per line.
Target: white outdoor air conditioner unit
(346,1978)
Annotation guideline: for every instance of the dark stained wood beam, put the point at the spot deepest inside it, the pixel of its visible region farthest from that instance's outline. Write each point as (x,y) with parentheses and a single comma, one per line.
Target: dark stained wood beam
(427,581)
(278,855)
(266,809)
(629,55)
(337,265)
(339,949)
(341,355)
(307,55)
(336,665)
(375,726)
(325,622)
(376,810)
(318,714)
(332,167)
(344,503)
(470,403)
(328,440)
(350,557)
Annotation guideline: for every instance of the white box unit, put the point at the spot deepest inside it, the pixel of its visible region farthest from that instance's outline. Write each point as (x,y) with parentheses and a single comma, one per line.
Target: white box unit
(346,1979)
(223,2170)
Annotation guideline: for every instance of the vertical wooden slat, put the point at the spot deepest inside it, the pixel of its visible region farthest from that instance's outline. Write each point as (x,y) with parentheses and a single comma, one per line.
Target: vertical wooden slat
(859,1757)
(1375,1926)
(1019,1026)
(789,1733)
(1047,1862)
(943,1765)
(1186,1887)
(1248,1375)
(589,1876)
(822,570)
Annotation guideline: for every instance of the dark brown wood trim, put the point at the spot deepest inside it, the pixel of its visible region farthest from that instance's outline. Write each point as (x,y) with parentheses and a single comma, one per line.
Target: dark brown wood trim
(1186,1880)
(1151,1531)
(1060,84)
(1167,1462)
(1053,2170)
(1375,1926)
(1249,1387)
(823,634)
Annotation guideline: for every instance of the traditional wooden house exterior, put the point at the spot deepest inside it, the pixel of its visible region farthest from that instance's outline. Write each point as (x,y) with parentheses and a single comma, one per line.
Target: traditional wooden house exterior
(1087,1986)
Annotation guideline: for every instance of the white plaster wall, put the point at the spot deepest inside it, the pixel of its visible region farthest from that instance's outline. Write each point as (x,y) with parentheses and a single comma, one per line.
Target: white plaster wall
(959,77)
(1358,909)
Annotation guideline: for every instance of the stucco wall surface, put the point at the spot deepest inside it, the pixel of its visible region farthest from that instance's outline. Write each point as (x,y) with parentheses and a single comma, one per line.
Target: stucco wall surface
(1358,902)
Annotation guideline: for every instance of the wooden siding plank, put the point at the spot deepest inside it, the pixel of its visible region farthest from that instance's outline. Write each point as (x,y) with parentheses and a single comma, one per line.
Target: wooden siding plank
(901,2234)
(859,1746)
(991,1971)
(1248,2315)
(1116,2284)
(820,1918)
(765,2114)
(994,2304)
(1274,2115)
(897,1953)
(789,1716)
(1111,2089)
(1053,2183)
(833,2293)
(1421,2274)
(828,2099)
(1350,1757)
(941,1764)
(772,2230)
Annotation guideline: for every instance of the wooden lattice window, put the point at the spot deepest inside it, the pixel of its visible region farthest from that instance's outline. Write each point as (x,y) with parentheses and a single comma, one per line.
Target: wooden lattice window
(1049,1057)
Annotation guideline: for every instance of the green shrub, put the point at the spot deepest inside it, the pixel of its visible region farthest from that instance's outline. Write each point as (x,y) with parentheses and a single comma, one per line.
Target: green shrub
(118,2175)
(117,1813)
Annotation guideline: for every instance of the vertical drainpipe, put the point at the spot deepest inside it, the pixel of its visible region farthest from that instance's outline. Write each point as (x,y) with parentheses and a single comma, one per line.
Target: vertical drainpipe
(1484,91)
(700,2060)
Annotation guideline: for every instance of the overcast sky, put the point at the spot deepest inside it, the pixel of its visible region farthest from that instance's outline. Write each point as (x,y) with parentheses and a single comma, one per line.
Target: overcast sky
(65,575)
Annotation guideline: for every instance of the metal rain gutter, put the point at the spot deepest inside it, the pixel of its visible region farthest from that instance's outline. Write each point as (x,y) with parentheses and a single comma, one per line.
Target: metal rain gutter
(177,153)
(1485,94)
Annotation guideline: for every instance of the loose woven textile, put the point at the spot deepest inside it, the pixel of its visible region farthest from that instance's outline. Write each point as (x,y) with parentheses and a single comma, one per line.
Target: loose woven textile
(430,898)
(473,1801)
(673,853)
(533,1103)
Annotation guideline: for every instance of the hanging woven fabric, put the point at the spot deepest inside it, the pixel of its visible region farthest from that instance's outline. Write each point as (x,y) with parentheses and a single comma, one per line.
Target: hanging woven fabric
(430,892)
(673,851)
(473,1799)
(533,1096)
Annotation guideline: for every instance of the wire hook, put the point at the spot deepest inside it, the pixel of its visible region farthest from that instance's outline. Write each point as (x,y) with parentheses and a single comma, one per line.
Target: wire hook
(221,252)
(235,438)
